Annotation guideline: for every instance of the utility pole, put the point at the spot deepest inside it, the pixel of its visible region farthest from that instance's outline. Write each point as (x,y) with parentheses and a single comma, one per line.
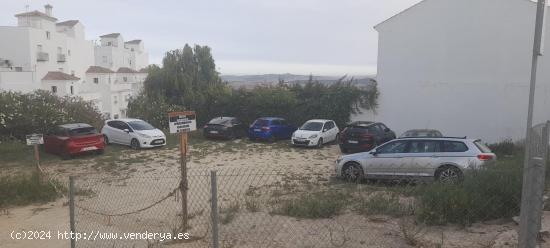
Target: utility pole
(530,219)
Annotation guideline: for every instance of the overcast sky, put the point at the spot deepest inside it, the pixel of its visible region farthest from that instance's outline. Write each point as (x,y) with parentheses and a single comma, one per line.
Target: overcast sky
(323,37)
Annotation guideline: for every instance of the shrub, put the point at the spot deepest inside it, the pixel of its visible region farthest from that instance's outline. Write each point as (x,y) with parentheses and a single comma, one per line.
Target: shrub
(485,194)
(315,205)
(506,147)
(40,111)
(26,189)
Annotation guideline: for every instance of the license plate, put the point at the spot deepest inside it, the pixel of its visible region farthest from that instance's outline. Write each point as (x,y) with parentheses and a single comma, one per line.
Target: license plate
(213,131)
(89,148)
(353,141)
(257,130)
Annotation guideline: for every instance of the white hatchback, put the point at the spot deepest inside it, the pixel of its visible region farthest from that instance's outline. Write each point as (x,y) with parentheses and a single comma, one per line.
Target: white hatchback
(132,132)
(315,133)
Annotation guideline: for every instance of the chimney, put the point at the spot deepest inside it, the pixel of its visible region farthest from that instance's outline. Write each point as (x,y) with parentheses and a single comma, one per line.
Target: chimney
(48,9)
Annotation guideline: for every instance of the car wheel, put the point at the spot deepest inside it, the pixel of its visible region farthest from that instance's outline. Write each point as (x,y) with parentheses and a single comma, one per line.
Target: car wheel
(352,172)
(231,136)
(134,144)
(105,139)
(336,139)
(320,143)
(448,174)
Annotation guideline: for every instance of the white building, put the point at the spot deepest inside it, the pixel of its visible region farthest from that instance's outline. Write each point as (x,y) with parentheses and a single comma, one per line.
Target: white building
(462,67)
(42,53)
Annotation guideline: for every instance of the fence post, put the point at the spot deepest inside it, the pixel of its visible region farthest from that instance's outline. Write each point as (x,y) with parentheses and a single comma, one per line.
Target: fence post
(214,208)
(533,188)
(71,210)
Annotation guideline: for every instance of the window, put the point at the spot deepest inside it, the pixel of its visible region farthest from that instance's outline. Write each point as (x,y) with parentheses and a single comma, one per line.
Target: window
(109,43)
(329,125)
(72,90)
(131,49)
(283,122)
(454,146)
(96,80)
(125,79)
(393,147)
(423,146)
(47,35)
(18,68)
(54,89)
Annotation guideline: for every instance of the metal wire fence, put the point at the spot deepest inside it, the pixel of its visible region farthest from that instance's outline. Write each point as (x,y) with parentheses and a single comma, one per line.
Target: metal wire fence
(267,207)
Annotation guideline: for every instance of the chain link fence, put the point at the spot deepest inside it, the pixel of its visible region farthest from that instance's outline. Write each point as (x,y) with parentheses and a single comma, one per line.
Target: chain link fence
(266,207)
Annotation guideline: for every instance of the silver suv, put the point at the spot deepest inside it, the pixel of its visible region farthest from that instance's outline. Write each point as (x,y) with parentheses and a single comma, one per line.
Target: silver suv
(442,158)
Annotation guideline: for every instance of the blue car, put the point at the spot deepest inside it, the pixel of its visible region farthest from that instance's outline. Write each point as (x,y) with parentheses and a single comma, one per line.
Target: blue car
(270,128)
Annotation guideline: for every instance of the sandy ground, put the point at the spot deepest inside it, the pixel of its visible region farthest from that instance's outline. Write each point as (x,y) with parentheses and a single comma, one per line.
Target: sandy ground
(134,180)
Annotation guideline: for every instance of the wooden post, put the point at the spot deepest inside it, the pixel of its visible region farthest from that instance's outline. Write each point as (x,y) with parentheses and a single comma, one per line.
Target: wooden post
(183,183)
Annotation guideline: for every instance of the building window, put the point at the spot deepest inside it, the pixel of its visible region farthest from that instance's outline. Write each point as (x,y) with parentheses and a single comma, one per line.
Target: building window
(109,43)
(54,89)
(96,80)
(18,68)
(125,79)
(132,49)
(48,35)
(72,90)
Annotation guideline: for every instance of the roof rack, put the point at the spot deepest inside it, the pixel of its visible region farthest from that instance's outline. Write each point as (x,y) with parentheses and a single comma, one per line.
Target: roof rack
(428,137)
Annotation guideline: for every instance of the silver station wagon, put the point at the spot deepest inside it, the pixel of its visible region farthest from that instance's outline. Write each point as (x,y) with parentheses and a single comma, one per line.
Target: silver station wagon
(443,158)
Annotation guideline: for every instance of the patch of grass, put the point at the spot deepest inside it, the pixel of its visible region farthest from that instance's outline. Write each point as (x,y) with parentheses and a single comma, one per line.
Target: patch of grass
(252,204)
(228,214)
(316,205)
(25,189)
(382,203)
(486,194)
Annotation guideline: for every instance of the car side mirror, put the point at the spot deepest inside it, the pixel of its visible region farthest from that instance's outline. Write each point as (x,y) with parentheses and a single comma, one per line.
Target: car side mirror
(127,130)
(373,152)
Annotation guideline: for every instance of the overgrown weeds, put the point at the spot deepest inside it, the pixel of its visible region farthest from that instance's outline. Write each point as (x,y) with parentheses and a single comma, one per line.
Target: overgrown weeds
(26,189)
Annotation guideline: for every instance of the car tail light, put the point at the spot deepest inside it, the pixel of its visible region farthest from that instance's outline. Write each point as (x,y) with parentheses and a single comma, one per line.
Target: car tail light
(485,157)
(266,128)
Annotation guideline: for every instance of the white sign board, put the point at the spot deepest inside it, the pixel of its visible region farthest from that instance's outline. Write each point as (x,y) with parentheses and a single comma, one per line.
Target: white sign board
(35,139)
(182,122)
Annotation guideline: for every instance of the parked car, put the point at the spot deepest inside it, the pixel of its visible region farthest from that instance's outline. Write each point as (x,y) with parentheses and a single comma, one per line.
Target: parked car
(270,128)
(421,133)
(224,127)
(362,136)
(315,133)
(445,159)
(133,132)
(71,139)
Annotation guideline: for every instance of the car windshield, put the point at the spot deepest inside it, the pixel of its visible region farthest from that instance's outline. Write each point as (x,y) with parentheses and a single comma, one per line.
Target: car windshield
(140,125)
(261,123)
(219,121)
(82,131)
(312,126)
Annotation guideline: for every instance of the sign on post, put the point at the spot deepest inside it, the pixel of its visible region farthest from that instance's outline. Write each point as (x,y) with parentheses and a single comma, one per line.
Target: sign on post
(35,139)
(182,121)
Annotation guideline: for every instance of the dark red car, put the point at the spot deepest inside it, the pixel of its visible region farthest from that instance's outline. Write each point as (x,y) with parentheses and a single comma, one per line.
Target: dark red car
(361,136)
(71,139)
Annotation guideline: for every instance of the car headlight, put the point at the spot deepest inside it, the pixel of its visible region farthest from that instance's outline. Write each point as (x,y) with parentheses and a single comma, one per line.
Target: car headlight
(313,136)
(144,135)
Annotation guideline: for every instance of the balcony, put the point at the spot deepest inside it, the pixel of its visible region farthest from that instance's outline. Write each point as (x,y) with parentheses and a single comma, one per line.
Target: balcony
(61,58)
(42,56)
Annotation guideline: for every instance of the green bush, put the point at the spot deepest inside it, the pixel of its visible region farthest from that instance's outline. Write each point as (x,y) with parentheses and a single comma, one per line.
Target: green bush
(316,205)
(188,80)
(26,189)
(40,111)
(506,147)
(486,194)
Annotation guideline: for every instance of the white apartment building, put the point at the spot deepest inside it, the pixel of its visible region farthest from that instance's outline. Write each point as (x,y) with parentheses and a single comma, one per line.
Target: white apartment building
(462,67)
(42,53)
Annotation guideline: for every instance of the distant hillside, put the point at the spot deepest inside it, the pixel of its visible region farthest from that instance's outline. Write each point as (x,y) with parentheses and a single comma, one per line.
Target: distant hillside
(249,81)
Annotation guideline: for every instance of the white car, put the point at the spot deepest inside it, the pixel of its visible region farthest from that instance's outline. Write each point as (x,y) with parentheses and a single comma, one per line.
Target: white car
(315,133)
(133,132)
